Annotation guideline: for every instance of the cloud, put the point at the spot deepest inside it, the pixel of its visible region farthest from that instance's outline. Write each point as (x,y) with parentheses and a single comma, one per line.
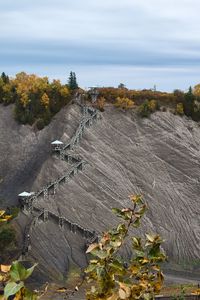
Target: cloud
(129,33)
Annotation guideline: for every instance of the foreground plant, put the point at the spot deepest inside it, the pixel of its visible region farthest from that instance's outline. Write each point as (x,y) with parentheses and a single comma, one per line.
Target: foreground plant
(13,278)
(110,276)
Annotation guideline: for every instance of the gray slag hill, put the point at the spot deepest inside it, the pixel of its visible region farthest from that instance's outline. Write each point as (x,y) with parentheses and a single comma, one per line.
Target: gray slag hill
(124,154)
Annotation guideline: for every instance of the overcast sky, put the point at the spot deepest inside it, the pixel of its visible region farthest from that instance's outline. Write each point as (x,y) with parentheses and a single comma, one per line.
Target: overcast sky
(141,43)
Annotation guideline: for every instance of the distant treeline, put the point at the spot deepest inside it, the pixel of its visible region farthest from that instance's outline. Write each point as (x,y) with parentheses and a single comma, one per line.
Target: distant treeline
(36,99)
(147,101)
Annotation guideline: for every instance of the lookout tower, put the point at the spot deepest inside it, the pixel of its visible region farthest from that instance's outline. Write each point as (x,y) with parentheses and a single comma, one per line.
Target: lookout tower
(57,145)
(94,93)
(24,198)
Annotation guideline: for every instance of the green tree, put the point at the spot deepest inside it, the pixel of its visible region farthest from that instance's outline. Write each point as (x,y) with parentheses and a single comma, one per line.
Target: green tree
(5,78)
(144,109)
(188,103)
(121,86)
(72,83)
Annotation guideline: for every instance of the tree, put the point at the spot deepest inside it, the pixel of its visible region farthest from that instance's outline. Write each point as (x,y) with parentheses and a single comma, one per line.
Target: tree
(121,86)
(148,107)
(179,109)
(5,78)
(179,95)
(45,100)
(111,277)
(188,104)
(72,83)
(153,105)
(124,103)
(100,103)
(196,91)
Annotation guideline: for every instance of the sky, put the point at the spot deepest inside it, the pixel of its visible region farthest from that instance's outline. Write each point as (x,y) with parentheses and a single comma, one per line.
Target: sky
(140,43)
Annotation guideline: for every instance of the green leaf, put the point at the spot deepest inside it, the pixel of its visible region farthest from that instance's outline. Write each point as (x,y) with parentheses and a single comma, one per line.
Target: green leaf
(18,271)
(12,288)
(100,272)
(117,266)
(101,254)
(29,271)
(116,244)
(142,210)
(136,223)
(121,228)
(139,253)
(90,268)
(137,243)
(116,211)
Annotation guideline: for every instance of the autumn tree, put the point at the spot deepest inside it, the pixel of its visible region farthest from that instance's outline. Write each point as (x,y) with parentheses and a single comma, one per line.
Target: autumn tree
(100,103)
(45,100)
(124,103)
(148,107)
(180,109)
(196,91)
(38,99)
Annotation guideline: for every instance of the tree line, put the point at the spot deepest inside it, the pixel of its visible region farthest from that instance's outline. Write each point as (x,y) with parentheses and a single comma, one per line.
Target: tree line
(36,99)
(148,101)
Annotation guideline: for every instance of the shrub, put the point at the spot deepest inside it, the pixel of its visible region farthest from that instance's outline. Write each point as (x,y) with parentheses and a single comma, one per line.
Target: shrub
(40,124)
(144,110)
(112,278)
(153,105)
(7,237)
(148,107)
(100,103)
(179,109)
(124,103)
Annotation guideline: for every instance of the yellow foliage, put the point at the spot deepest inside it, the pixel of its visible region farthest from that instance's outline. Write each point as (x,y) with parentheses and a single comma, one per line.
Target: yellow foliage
(179,109)
(5,268)
(152,105)
(24,99)
(196,292)
(26,84)
(45,100)
(196,90)
(64,91)
(7,88)
(101,102)
(124,103)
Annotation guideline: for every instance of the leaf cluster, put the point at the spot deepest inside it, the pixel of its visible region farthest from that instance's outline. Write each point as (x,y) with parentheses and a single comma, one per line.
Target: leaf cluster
(15,276)
(110,276)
